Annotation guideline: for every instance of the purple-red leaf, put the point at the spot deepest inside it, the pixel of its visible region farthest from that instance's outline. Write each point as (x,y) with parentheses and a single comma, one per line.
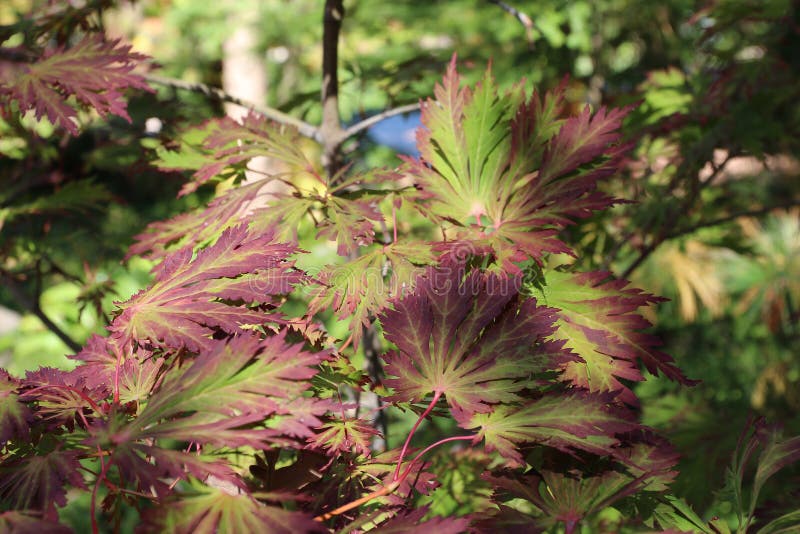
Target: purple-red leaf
(94,71)
(15,417)
(39,482)
(196,228)
(209,510)
(413,521)
(237,383)
(29,523)
(466,335)
(183,307)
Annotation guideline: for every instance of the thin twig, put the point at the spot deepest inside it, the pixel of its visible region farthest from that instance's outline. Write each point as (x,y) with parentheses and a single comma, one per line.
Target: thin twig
(732,217)
(524,19)
(657,240)
(33,307)
(649,249)
(305,129)
(360,126)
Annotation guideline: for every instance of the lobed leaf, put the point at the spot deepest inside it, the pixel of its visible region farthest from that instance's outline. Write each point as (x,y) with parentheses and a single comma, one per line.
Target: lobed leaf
(15,416)
(204,509)
(234,384)
(361,288)
(345,435)
(29,523)
(466,335)
(229,145)
(597,321)
(93,71)
(506,171)
(184,307)
(39,482)
(564,422)
(198,228)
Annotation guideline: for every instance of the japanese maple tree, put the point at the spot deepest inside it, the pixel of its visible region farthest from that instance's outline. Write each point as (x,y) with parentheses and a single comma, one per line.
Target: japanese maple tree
(218,401)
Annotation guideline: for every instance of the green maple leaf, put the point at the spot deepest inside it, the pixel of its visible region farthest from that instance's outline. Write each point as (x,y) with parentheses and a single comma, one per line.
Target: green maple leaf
(345,435)
(505,171)
(576,421)
(361,288)
(597,321)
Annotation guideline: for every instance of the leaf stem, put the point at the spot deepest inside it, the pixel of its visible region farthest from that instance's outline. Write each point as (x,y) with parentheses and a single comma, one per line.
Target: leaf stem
(389,488)
(93,504)
(429,447)
(424,414)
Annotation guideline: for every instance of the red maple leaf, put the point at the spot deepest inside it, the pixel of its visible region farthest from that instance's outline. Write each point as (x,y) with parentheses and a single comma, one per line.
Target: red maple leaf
(466,335)
(93,71)
(184,306)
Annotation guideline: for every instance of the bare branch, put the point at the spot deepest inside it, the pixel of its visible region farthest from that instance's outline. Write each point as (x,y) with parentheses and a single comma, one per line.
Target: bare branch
(305,129)
(360,126)
(524,19)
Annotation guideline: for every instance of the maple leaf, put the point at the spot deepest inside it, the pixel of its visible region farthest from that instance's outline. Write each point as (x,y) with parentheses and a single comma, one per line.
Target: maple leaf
(200,227)
(15,416)
(597,322)
(570,496)
(228,145)
(234,384)
(348,221)
(38,482)
(182,308)
(345,435)
(137,379)
(94,71)
(506,171)
(98,363)
(361,288)
(564,422)
(203,509)
(464,335)
(62,397)
(219,399)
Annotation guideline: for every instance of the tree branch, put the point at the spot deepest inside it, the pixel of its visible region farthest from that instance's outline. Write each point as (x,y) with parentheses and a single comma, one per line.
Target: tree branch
(32,305)
(369,122)
(305,129)
(524,19)
(649,249)
(331,128)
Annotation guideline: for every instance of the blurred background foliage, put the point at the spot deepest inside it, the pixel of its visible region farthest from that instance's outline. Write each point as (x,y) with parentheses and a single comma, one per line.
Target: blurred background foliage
(713,174)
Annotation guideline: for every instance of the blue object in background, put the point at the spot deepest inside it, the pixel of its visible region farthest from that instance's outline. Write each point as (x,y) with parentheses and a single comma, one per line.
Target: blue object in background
(398,133)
